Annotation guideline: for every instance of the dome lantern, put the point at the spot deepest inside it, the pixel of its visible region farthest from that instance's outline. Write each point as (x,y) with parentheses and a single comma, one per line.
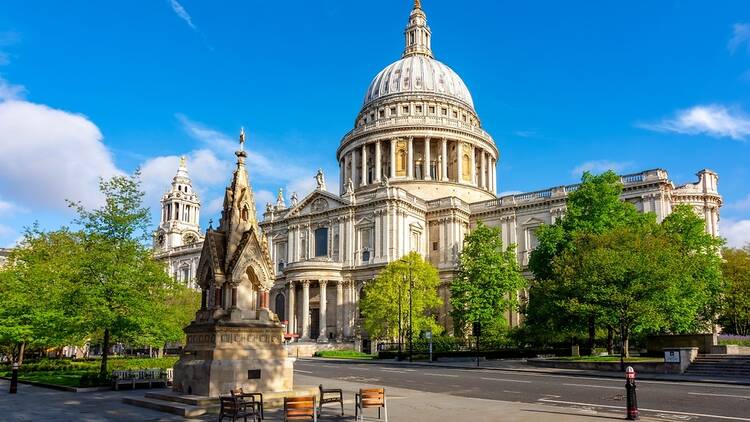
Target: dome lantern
(417,34)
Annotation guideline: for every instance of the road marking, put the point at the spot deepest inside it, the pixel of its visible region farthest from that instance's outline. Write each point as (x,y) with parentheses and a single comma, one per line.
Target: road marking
(304,372)
(733,418)
(720,395)
(506,380)
(440,375)
(512,392)
(594,386)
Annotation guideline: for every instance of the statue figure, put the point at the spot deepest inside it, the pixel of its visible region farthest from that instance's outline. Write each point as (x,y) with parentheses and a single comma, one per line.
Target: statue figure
(349,187)
(385,182)
(295,200)
(269,207)
(320,179)
(242,138)
(280,199)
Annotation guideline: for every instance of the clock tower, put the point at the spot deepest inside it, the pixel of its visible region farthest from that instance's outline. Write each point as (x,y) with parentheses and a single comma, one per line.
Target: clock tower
(180,213)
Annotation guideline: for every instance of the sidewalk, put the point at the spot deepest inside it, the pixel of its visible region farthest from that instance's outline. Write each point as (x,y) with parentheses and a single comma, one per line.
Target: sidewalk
(520,365)
(404,405)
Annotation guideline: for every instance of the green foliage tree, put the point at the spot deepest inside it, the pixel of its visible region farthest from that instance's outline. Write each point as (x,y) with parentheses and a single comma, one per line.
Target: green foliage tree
(487,283)
(735,312)
(35,291)
(593,208)
(391,289)
(121,288)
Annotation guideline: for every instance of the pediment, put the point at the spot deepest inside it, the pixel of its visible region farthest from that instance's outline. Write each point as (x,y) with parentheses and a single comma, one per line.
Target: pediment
(317,202)
(533,221)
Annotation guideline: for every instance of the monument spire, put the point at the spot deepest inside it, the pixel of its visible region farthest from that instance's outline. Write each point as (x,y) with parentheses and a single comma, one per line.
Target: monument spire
(417,34)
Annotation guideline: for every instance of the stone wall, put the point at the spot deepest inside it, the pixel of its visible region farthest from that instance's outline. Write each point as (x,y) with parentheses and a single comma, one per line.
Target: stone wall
(307,349)
(657,344)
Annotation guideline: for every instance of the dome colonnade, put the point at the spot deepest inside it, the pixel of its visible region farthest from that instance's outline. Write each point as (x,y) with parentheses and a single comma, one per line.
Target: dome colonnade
(418,124)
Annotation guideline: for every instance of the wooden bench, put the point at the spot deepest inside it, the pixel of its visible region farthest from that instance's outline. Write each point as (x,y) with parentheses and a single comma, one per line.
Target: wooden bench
(368,398)
(330,395)
(233,407)
(300,409)
(255,400)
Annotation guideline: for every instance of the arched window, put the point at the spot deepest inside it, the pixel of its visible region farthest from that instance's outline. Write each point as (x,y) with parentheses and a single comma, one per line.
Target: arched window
(401,162)
(280,306)
(466,167)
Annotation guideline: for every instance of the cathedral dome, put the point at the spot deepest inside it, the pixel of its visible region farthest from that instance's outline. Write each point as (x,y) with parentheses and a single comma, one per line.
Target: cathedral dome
(418,74)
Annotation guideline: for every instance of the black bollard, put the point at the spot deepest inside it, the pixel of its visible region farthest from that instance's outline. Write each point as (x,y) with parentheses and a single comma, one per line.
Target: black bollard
(14,379)
(630,389)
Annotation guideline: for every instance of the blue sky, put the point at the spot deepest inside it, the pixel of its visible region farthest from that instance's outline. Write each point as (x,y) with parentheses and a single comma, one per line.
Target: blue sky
(91,89)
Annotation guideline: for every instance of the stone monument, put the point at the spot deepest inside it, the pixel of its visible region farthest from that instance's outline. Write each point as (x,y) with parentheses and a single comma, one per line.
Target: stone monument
(235,340)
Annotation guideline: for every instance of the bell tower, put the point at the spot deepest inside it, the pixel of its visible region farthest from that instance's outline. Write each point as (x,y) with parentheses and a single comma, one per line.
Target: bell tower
(180,213)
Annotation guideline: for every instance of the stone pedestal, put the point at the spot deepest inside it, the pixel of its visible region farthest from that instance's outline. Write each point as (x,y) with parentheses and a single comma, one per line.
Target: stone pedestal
(677,359)
(222,355)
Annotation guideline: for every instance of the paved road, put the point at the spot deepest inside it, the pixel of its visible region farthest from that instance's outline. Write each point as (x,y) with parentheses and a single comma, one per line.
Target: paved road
(660,399)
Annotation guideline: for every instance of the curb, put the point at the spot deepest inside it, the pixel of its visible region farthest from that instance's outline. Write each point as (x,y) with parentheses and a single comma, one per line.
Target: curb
(615,375)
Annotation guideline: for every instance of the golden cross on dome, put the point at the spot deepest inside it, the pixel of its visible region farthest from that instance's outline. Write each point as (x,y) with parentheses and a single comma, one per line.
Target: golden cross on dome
(182,161)
(417,4)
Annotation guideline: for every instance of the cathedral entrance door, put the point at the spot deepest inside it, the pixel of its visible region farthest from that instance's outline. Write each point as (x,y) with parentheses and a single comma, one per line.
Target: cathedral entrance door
(314,323)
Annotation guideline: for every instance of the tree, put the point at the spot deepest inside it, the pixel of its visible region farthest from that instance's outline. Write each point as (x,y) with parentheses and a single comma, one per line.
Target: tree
(121,287)
(627,276)
(390,291)
(488,280)
(593,208)
(735,313)
(35,292)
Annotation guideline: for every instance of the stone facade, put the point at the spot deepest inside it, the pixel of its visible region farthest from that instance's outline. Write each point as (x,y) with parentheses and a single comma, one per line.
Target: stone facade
(416,173)
(4,252)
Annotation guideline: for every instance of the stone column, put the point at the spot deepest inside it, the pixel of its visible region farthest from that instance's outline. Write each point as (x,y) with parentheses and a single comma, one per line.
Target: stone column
(305,309)
(459,162)
(290,328)
(473,164)
(427,175)
(323,336)
(347,307)
(410,158)
(353,162)
(364,165)
(339,309)
(393,158)
(378,164)
(234,296)
(483,170)
(444,164)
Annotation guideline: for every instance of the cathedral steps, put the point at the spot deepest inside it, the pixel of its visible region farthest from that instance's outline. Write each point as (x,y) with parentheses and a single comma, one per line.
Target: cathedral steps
(735,366)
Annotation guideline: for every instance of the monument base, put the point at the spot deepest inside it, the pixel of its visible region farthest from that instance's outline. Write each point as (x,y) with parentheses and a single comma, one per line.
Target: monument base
(222,355)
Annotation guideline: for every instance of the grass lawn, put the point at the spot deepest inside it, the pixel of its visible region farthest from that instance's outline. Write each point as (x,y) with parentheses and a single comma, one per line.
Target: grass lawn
(614,358)
(346,354)
(68,372)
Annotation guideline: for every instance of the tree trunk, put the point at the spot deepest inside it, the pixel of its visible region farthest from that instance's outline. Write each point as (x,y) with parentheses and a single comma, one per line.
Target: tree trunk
(610,340)
(21,351)
(592,335)
(105,354)
(625,342)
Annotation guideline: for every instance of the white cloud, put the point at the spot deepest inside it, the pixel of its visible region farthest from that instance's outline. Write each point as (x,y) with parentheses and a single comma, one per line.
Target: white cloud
(714,119)
(6,231)
(7,38)
(214,206)
(10,91)
(737,232)
(182,13)
(9,208)
(741,35)
(508,193)
(49,155)
(600,166)
(262,197)
(261,167)
(525,133)
(742,204)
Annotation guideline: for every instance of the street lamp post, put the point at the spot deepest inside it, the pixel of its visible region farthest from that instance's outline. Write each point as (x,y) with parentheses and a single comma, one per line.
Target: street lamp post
(400,334)
(411,293)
